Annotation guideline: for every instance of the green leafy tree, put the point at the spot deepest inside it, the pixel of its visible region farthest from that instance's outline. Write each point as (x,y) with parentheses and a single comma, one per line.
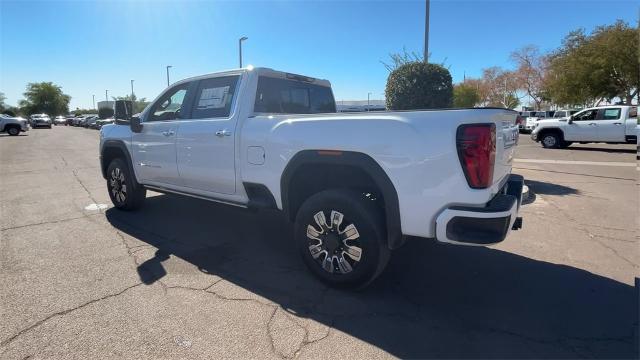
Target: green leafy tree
(3,106)
(45,97)
(465,95)
(588,68)
(419,85)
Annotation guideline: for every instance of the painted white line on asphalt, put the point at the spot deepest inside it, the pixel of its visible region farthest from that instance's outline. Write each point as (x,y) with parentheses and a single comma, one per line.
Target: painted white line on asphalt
(575,162)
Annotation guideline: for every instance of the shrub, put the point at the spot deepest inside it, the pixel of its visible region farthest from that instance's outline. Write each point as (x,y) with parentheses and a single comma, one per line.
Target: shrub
(419,85)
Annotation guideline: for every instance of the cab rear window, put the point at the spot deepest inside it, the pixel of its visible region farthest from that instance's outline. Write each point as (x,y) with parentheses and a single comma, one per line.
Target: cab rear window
(283,96)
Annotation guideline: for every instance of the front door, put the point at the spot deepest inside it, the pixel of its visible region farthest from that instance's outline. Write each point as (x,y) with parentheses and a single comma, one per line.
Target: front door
(154,148)
(206,142)
(583,126)
(610,126)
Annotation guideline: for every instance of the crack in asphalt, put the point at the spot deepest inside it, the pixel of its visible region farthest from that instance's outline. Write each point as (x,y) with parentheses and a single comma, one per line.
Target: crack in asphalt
(47,222)
(570,173)
(590,236)
(562,342)
(64,312)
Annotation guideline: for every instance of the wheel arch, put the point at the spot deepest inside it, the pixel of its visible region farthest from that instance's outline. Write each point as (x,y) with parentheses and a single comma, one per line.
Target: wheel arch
(354,163)
(551,130)
(112,149)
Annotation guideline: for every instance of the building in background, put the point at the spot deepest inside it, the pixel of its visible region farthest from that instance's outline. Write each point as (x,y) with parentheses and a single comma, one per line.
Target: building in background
(360,105)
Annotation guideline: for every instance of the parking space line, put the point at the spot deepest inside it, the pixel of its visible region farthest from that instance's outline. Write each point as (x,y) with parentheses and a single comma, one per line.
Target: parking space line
(576,162)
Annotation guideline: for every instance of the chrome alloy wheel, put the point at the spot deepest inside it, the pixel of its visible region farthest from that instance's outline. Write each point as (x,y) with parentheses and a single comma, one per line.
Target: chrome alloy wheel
(118,185)
(329,243)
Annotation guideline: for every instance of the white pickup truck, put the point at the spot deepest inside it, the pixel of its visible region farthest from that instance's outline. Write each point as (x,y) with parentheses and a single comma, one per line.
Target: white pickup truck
(12,125)
(354,185)
(610,124)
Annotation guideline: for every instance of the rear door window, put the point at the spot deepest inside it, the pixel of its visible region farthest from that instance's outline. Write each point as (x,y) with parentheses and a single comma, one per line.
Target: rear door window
(214,97)
(283,96)
(609,114)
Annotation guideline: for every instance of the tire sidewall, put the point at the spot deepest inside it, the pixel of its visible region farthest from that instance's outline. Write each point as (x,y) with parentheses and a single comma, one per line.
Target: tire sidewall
(13,131)
(555,137)
(128,203)
(355,211)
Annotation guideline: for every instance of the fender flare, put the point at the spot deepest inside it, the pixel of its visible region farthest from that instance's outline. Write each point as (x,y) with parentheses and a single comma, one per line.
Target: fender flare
(119,144)
(355,159)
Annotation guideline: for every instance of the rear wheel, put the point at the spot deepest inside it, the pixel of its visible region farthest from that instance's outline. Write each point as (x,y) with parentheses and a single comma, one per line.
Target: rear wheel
(124,192)
(550,140)
(341,237)
(13,131)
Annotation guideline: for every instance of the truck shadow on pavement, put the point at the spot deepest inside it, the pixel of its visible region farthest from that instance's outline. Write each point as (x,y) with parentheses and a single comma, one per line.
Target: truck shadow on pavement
(607,150)
(546,188)
(433,300)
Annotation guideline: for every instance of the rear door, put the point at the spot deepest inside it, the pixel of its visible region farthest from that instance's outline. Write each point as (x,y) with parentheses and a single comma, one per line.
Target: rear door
(154,148)
(610,125)
(206,142)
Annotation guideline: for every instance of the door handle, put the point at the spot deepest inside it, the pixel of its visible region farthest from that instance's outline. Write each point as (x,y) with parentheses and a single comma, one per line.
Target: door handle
(168,133)
(617,123)
(221,133)
(592,124)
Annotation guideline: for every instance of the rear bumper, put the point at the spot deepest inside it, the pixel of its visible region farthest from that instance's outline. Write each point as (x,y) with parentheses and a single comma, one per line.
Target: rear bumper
(486,225)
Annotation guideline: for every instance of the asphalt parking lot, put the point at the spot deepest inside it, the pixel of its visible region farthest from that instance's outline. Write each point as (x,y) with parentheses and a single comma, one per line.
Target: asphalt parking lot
(187,278)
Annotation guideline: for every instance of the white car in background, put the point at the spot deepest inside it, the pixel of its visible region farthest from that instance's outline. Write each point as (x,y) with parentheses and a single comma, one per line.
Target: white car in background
(59,120)
(40,120)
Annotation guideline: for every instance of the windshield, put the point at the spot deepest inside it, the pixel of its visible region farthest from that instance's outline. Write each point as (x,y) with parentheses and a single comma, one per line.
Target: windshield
(560,114)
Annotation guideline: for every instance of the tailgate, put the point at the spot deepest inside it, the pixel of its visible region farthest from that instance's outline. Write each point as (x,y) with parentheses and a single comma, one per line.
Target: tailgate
(506,140)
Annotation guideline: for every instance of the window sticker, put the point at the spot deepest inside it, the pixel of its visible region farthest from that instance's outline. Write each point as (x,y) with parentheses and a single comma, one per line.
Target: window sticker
(213,98)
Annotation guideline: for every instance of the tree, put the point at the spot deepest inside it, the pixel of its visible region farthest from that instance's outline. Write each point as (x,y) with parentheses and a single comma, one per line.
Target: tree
(400,59)
(45,97)
(419,85)
(465,95)
(530,73)
(498,88)
(3,106)
(602,65)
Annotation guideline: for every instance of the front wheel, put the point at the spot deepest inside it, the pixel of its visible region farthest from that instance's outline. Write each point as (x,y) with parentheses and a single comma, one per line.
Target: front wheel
(124,192)
(13,131)
(341,237)
(550,141)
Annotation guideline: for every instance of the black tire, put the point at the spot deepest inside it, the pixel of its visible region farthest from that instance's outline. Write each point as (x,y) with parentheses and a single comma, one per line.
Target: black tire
(128,197)
(550,140)
(368,220)
(13,130)
(566,144)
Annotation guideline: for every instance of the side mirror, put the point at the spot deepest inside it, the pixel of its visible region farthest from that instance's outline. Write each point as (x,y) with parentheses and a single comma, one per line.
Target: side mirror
(136,124)
(570,121)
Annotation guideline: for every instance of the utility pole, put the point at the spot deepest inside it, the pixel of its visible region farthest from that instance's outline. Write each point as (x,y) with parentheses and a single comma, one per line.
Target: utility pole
(426,33)
(240,48)
(368,100)
(132,90)
(94,102)
(168,66)
(106,95)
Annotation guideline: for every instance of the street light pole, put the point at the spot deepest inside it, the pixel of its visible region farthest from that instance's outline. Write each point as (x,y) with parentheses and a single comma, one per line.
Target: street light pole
(368,99)
(106,95)
(240,48)
(132,90)
(168,66)
(426,32)
(94,102)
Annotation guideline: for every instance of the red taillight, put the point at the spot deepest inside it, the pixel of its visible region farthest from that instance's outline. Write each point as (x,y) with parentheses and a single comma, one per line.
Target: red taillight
(519,120)
(477,152)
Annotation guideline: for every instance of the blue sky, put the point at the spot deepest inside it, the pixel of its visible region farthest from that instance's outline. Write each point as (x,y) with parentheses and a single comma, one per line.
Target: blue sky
(89,46)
